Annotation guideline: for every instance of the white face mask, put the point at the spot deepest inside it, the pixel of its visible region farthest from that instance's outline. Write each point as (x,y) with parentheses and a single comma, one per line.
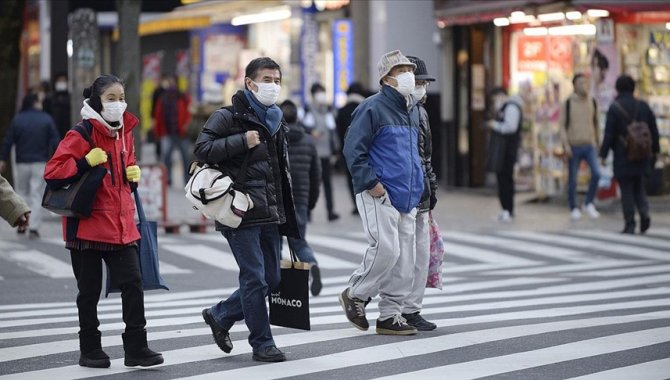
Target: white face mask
(267,93)
(419,92)
(113,111)
(60,86)
(405,83)
(320,98)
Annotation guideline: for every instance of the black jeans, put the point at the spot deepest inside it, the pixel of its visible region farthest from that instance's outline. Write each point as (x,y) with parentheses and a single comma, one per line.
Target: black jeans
(505,177)
(124,267)
(633,195)
(327,184)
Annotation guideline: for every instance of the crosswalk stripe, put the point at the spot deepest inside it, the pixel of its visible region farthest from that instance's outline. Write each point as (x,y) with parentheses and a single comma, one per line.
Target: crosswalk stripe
(541,250)
(624,238)
(622,246)
(627,271)
(484,255)
(346,245)
(324,261)
(394,351)
(205,254)
(569,268)
(656,369)
(38,262)
(524,360)
(583,241)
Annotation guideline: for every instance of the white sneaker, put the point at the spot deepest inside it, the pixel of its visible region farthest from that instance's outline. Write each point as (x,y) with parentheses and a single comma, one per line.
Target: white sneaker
(575,214)
(504,216)
(590,209)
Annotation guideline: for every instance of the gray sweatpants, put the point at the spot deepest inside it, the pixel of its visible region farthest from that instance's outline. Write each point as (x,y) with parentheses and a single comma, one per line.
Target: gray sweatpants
(30,186)
(414,300)
(387,268)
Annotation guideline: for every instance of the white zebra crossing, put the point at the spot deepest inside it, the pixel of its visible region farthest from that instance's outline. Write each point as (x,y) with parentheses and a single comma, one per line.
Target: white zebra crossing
(490,300)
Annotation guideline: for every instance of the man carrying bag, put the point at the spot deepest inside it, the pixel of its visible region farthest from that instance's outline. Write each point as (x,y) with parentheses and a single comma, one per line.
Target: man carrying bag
(252,125)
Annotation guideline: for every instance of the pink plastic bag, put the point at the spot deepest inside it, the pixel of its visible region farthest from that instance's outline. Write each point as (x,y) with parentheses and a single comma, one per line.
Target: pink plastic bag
(436,255)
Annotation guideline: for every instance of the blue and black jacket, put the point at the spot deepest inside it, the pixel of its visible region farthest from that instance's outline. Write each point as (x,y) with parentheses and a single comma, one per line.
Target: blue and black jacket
(382,146)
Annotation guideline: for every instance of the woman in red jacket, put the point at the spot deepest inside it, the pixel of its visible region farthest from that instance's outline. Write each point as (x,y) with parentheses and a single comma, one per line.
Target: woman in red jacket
(110,233)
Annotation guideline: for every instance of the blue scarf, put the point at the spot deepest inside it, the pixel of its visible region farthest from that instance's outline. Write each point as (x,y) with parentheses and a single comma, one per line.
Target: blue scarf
(270,116)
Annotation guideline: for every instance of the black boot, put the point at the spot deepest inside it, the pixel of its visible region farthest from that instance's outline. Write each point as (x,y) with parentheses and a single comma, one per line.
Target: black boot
(137,351)
(92,354)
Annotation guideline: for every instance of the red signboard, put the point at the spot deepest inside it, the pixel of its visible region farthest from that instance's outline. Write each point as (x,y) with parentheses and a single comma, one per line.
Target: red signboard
(534,52)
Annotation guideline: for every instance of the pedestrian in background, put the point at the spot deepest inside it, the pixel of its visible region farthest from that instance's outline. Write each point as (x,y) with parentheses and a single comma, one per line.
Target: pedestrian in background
(171,120)
(382,154)
(411,307)
(33,134)
(109,233)
(58,104)
(356,93)
(320,122)
(252,129)
(506,131)
(578,123)
(12,208)
(305,178)
(630,174)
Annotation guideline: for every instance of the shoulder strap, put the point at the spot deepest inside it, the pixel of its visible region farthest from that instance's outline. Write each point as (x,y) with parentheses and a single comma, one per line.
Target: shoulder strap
(242,174)
(623,111)
(85,129)
(567,113)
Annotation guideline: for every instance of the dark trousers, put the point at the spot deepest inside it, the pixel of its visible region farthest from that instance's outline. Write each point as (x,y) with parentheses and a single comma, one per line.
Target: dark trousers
(124,267)
(633,195)
(327,184)
(505,178)
(257,251)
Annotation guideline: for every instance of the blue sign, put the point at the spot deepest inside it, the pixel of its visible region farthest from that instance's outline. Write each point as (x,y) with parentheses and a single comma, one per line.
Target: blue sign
(343,54)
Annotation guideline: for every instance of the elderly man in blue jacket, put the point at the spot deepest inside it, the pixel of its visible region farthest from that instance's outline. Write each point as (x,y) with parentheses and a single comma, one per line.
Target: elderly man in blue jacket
(381,150)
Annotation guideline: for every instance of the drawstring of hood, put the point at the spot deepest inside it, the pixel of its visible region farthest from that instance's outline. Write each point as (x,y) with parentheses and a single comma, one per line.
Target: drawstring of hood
(87,112)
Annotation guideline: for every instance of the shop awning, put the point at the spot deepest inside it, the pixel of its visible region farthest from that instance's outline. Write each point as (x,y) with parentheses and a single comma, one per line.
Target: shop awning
(464,12)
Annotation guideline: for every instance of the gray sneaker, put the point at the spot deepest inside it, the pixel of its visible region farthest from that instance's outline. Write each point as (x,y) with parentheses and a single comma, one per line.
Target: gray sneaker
(354,309)
(396,325)
(416,320)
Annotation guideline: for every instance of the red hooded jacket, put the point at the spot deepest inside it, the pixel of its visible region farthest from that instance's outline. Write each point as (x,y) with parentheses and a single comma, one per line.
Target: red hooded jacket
(113,217)
(183,116)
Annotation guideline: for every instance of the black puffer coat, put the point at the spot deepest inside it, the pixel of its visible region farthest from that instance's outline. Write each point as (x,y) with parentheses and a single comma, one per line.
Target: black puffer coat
(615,129)
(305,166)
(223,142)
(426,151)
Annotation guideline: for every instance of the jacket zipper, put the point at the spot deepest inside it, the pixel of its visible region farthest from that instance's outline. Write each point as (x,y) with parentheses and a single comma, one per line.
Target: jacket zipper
(111,167)
(411,173)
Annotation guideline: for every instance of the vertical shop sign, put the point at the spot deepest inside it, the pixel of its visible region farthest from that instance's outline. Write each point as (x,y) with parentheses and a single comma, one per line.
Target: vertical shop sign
(343,52)
(309,47)
(84,62)
(534,53)
(182,69)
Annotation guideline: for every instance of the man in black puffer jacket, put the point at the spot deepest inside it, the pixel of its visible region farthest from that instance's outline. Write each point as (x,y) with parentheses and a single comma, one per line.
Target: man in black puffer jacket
(252,128)
(306,176)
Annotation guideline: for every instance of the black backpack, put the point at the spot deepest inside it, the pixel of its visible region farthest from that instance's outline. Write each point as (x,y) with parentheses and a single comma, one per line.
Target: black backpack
(637,140)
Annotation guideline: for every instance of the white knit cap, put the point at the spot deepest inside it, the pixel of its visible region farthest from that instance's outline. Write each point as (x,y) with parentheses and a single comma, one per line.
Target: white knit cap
(390,60)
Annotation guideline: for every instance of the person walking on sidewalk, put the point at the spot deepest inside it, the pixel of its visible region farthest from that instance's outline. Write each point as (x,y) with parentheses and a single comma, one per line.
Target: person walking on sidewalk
(12,208)
(578,123)
(630,173)
(506,127)
(320,122)
(411,306)
(34,135)
(252,129)
(306,178)
(109,233)
(382,154)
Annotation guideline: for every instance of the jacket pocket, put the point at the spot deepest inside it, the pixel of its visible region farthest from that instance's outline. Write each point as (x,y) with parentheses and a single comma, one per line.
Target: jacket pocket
(257,190)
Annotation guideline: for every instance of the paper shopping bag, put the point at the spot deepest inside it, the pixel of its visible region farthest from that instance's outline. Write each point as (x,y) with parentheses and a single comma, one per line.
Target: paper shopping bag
(289,302)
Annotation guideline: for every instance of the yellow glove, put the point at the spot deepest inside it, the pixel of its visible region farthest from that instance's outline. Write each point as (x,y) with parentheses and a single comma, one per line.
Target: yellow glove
(96,157)
(133,173)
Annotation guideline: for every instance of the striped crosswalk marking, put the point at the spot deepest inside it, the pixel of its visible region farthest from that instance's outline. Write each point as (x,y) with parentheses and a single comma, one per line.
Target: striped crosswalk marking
(38,262)
(527,305)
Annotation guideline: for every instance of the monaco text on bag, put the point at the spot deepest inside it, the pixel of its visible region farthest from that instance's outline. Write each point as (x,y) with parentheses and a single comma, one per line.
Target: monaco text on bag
(289,302)
(76,199)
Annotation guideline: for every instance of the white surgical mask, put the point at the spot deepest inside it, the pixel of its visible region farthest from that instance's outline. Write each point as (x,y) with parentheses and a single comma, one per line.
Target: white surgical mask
(320,98)
(113,111)
(267,93)
(419,92)
(405,83)
(61,86)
